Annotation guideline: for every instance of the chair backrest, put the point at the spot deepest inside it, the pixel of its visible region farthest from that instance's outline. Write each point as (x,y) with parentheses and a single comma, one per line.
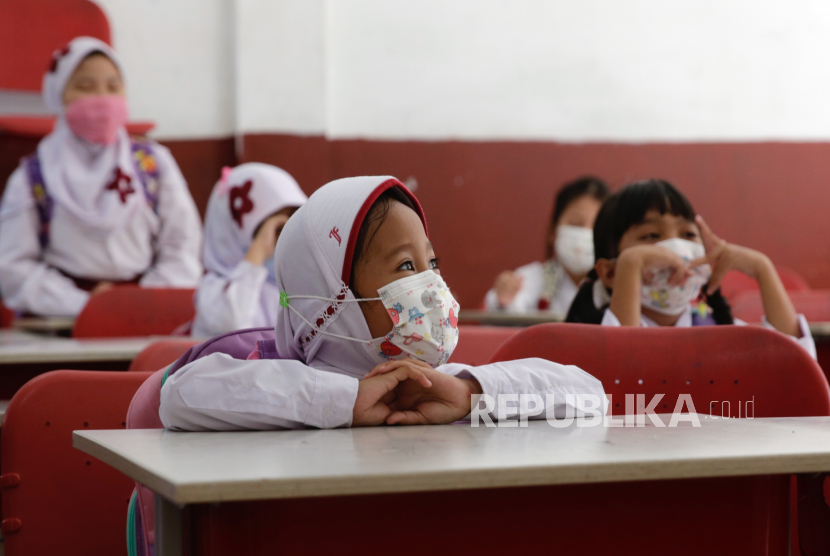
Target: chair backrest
(159,355)
(736,283)
(477,344)
(721,367)
(56,499)
(814,305)
(31,30)
(134,311)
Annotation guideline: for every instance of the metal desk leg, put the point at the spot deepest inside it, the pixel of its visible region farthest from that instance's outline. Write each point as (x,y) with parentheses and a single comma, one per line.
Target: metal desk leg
(813,514)
(168,518)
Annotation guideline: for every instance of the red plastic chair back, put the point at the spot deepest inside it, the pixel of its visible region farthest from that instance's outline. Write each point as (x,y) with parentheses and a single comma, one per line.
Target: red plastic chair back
(736,283)
(814,305)
(56,499)
(31,30)
(6,316)
(477,344)
(721,367)
(159,355)
(133,311)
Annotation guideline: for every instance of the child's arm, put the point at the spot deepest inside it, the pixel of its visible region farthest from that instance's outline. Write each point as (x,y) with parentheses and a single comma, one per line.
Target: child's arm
(634,266)
(724,257)
(225,303)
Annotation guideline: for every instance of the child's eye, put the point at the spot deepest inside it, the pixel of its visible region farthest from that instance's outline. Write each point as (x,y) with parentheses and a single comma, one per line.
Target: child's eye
(407,265)
(435,263)
(691,235)
(650,236)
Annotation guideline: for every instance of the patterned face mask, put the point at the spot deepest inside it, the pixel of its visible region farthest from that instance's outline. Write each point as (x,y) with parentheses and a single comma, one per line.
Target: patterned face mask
(424,320)
(673,300)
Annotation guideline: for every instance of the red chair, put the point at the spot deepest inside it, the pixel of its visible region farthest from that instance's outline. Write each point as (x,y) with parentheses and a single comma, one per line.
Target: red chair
(736,283)
(477,344)
(6,316)
(712,363)
(159,355)
(814,305)
(58,500)
(134,311)
(722,367)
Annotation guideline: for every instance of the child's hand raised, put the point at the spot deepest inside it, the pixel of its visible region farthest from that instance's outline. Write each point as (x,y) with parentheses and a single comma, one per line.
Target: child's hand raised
(723,257)
(647,259)
(507,286)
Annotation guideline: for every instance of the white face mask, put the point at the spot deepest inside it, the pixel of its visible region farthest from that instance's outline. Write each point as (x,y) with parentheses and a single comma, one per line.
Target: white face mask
(672,300)
(575,248)
(424,316)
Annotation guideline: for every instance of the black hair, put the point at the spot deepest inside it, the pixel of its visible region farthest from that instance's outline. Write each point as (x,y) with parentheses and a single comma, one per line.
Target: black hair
(622,210)
(570,192)
(376,216)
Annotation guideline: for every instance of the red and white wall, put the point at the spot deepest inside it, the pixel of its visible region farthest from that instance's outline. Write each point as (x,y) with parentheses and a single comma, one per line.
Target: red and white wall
(487,106)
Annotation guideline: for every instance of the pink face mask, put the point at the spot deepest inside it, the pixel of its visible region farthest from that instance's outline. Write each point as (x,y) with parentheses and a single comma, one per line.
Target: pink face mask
(97,118)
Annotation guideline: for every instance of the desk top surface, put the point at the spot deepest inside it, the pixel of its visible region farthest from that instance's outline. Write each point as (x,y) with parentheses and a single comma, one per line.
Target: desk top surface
(18,347)
(188,467)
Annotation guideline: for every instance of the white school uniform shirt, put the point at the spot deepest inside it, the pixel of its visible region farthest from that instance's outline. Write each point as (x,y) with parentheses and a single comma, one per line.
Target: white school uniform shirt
(315,381)
(805,341)
(527,298)
(163,247)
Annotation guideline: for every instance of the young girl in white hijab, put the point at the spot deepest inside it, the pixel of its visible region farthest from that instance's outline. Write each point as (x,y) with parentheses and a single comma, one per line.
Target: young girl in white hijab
(93,207)
(364,329)
(246,213)
(551,286)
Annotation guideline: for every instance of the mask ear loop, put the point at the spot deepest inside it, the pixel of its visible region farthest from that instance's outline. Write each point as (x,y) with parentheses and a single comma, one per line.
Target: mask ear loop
(284,297)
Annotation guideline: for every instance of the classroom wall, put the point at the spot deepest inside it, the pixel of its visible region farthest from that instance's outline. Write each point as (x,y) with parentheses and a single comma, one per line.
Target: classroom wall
(487,106)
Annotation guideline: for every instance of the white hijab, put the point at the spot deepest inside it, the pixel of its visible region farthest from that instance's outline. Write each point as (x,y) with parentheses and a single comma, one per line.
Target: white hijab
(76,171)
(229,232)
(314,257)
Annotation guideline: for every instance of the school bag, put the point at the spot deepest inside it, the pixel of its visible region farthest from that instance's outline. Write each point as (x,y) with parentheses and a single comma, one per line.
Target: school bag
(146,168)
(252,343)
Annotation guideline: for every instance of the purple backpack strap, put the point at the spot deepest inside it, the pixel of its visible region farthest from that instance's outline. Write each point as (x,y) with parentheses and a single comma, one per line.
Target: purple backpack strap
(43,202)
(238,344)
(147,168)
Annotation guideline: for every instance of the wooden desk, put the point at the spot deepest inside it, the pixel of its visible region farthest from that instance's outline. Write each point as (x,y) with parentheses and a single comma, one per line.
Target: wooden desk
(18,347)
(192,468)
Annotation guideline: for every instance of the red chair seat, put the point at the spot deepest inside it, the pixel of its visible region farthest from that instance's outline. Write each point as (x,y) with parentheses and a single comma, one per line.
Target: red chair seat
(159,355)
(133,311)
(478,344)
(814,305)
(736,283)
(41,126)
(58,500)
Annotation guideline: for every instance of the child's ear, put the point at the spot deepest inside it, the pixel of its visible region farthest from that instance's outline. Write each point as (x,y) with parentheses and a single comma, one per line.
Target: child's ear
(605,270)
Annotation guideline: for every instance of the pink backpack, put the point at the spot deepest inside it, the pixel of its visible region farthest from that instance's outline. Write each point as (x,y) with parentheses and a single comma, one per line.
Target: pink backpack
(254,343)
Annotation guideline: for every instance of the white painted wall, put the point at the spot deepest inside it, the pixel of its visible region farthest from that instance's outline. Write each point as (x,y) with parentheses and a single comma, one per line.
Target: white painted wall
(179,60)
(564,70)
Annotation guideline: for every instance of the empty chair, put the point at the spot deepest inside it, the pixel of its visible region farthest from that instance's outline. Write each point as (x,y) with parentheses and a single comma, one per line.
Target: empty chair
(132,311)
(736,283)
(160,354)
(477,344)
(719,366)
(813,304)
(56,499)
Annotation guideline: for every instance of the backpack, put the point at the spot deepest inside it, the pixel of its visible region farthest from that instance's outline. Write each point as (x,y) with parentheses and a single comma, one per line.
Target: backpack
(146,168)
(253,343)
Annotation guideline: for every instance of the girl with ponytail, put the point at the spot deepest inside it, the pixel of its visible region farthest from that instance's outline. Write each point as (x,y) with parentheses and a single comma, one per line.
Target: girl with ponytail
(657,263)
